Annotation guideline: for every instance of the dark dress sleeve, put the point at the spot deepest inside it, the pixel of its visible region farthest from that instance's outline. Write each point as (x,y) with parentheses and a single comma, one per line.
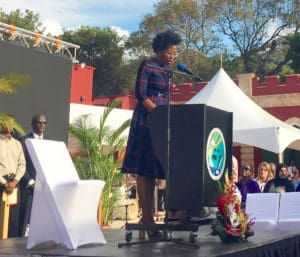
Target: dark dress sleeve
(142,81)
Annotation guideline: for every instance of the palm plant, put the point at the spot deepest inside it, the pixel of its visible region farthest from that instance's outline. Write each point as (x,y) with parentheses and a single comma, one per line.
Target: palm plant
(8,85)
(97,159)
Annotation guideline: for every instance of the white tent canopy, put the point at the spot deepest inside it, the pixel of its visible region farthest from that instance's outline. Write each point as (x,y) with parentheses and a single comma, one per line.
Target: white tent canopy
(114,120)
(252,125)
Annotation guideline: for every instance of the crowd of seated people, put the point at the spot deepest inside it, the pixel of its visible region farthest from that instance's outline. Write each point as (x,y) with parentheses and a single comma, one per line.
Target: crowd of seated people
(268,180)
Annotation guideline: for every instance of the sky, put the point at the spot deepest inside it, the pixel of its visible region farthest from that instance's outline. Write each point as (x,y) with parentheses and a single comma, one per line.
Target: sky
(56,15)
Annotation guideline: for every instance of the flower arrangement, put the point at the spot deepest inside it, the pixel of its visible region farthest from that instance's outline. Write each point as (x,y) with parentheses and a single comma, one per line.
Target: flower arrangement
(231,223)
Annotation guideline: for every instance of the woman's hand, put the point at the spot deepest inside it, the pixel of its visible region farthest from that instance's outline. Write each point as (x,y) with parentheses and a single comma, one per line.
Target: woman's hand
(161,183)
(149,105)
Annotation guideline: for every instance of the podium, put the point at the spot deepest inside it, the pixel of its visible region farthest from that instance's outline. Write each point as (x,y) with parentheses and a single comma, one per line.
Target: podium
(193,144)
(200,150)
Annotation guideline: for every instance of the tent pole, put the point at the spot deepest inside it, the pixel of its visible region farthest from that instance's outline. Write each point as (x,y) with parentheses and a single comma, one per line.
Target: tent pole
(280,157)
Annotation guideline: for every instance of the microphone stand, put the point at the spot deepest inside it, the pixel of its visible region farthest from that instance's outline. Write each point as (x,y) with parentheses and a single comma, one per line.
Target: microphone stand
(169,74)
(168,226)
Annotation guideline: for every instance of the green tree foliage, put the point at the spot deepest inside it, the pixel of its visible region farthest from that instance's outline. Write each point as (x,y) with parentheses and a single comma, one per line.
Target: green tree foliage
(102,49)
(249,34)
(254,28)
(8,84)
(127,75)
(28,20)
(98,160)
(192,19)
(252,33)
(294,51)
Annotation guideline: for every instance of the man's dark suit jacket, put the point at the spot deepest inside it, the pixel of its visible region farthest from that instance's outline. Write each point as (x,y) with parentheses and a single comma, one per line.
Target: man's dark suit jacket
(26,194)
(30,170)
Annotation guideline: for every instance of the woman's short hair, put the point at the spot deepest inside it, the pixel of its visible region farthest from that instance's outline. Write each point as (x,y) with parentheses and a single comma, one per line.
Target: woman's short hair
(165,39)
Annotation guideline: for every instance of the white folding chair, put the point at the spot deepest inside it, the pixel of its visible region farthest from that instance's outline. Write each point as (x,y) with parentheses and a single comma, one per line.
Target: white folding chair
(64,207)
(263,209)
(289,212)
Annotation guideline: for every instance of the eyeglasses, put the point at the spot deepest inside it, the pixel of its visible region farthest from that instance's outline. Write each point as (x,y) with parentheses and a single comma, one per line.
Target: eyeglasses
(171,54)
(245,169)
(41,121)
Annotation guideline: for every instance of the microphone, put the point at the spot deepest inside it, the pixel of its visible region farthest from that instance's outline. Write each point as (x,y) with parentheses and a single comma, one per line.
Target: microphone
(182,67)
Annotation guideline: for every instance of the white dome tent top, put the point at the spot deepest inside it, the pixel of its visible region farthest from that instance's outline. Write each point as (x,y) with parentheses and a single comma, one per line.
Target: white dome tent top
(252,125)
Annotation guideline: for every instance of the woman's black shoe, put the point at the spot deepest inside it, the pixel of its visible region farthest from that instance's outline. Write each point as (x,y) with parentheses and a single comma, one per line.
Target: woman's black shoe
(155,235)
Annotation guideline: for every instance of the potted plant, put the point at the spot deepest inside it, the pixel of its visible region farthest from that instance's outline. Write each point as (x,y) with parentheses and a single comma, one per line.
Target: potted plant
(231,224)
(97,158)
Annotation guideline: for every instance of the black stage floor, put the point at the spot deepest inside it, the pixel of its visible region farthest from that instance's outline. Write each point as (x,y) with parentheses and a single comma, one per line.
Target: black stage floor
(262,244)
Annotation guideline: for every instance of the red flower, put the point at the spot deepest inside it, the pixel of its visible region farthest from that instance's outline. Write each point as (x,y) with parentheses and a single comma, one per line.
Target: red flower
(221,205)
(232,231)
(236,207)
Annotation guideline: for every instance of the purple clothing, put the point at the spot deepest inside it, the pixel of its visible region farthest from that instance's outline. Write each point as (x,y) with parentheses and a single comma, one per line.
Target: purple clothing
(247,186)
(152,83)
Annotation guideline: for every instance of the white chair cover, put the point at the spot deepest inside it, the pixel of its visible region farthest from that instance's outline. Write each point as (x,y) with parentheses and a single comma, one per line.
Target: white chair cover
(64,207)
(289,212)
(263,208)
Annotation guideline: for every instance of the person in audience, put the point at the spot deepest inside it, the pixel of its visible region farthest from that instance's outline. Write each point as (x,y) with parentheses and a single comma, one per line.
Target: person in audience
(298,188)
(38,124)
(291,168)
(235,170)
(280,183)
(264,174)
(273,169)
(12,169)
(246,184)
(296,177)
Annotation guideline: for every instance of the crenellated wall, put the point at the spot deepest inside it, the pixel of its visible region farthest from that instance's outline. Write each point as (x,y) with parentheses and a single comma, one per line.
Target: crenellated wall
(272,85)
(184,92)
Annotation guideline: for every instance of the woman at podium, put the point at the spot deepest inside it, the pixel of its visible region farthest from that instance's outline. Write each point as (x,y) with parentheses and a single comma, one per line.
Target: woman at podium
(151,90)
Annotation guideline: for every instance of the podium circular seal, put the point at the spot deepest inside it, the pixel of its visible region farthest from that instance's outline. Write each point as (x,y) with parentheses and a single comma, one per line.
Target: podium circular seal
(215,154)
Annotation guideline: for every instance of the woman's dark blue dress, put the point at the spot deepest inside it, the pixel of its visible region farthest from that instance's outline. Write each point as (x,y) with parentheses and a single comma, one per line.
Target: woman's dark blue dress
(152,83)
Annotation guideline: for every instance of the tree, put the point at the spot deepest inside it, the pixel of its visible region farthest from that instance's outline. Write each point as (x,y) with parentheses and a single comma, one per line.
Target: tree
(192,19)
(28,20)
(254,28)
(102,49)
(8,84)
(97,161)
(294,51)
(126,76)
